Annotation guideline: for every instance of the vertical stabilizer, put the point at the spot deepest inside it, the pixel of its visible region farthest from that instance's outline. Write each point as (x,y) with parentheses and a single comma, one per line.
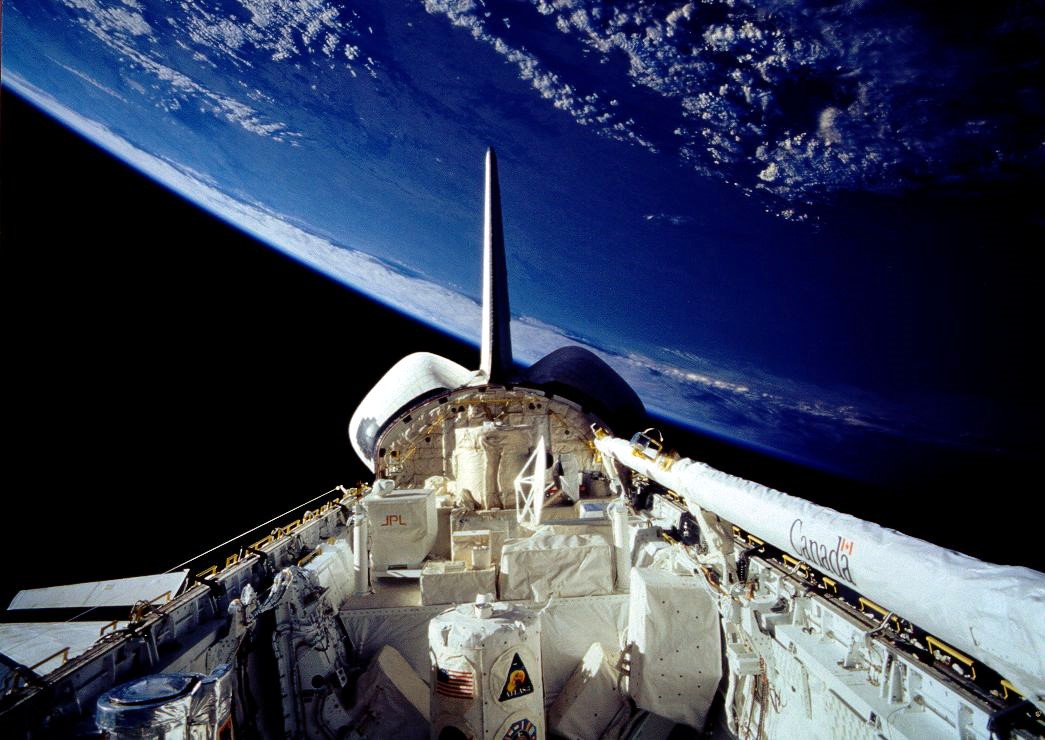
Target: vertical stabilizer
(496,357)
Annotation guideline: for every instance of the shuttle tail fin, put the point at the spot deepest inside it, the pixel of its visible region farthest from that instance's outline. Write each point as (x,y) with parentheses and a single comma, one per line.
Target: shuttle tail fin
(496,353)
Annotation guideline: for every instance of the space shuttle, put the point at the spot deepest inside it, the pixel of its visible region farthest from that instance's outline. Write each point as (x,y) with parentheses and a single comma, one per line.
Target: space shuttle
(530,562)
(423,383)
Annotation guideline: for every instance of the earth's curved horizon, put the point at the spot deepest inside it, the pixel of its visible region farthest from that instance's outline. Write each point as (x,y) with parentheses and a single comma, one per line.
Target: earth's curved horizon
(784,229)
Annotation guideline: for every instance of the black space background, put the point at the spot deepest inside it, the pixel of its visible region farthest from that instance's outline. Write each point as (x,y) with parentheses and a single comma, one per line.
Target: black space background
(169,381)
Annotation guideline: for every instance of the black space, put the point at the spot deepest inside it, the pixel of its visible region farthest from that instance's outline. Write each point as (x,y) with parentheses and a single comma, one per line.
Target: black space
(170,382)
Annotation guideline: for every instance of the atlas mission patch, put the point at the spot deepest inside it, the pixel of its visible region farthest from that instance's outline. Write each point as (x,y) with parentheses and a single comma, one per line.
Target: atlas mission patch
(517,683)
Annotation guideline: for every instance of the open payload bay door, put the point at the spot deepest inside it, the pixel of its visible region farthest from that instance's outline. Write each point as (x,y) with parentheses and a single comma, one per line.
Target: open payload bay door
(117,592)
(44,646)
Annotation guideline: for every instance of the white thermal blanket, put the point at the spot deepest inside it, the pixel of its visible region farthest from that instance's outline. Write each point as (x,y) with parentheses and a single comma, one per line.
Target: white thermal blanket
(392,700)
(674,645)
(590,700)
(456,587)
(564,565)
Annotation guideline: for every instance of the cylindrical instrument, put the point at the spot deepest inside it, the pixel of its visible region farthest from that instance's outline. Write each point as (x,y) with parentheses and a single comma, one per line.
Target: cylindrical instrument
(486,672)
(360,550)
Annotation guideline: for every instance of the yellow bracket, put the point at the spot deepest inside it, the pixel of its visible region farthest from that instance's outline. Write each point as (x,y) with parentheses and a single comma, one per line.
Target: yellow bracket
(64,653)
(308,558)
(1008,688)
(262,542)
(285,531)
(866,603)
(140,608)
(797,565)
(948,650)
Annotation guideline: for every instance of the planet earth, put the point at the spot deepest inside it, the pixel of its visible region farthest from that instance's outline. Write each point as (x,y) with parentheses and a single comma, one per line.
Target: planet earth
(808,228)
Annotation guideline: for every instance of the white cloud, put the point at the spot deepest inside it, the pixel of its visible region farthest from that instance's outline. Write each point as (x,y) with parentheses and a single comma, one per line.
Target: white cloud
(91,81)
(675,219)
(279,29)
(800,100)
(586,109)
(107,19)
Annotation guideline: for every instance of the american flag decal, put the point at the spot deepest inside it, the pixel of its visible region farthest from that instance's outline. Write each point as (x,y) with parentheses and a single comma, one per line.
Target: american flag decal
(456,684)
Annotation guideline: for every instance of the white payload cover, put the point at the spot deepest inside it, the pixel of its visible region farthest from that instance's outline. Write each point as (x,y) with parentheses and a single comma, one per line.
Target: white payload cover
(561,564)
(462,542)
(674,645)
(995,613)
(451,582)
(334,570)
(590,706)
(118,592)
(567,626)
(392,700)
(403,527)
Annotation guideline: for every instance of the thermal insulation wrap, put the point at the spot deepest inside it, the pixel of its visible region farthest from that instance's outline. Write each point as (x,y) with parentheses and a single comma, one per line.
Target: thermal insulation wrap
(590,706)
(602,619)
(168,705)
(334,571)
(403,527)
(486,676)
(674,645)
(451,582)
(392,701)
(463,542)
(564,565)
